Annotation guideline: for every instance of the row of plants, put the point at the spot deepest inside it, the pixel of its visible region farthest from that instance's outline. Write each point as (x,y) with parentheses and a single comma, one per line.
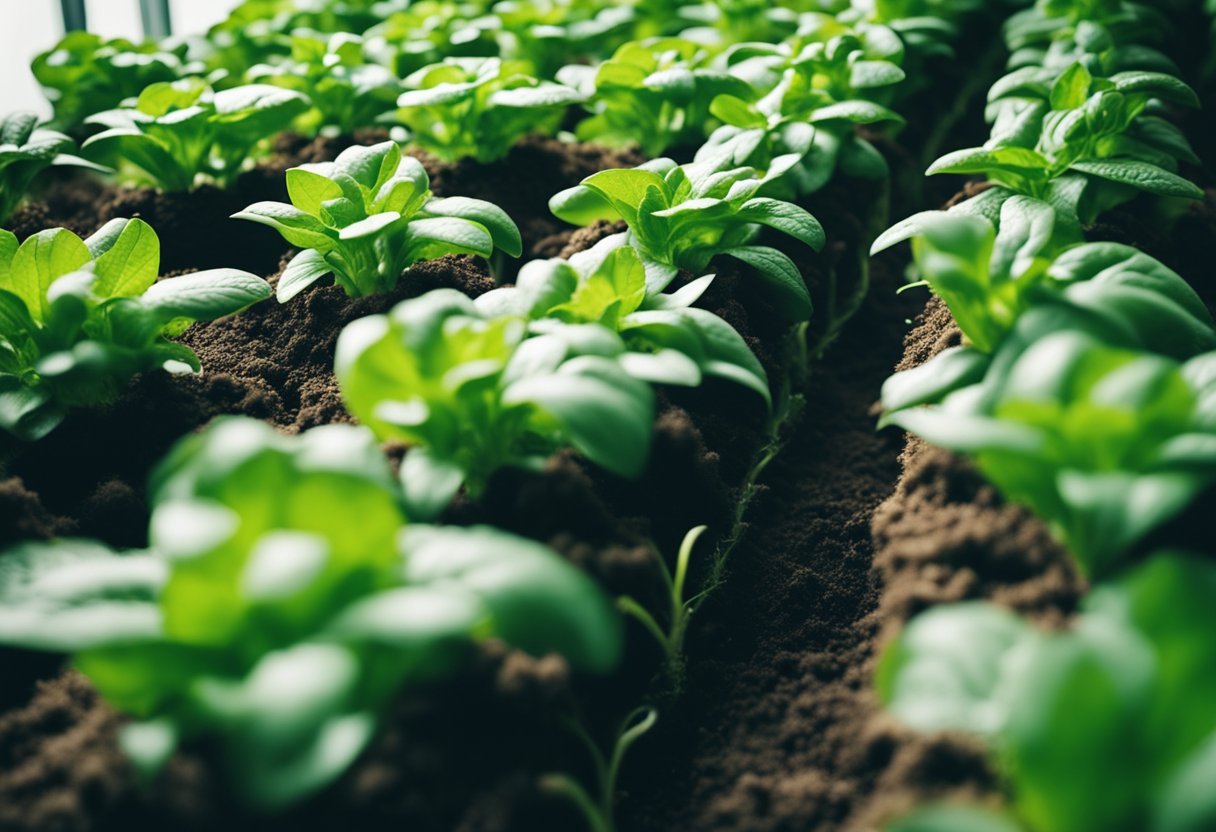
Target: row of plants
(1083,389)
(262,624)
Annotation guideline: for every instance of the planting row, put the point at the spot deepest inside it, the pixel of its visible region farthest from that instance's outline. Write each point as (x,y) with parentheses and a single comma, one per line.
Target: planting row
(1083,389)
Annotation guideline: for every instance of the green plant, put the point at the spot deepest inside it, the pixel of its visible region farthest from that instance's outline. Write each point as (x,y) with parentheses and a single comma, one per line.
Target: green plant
(682,216)
(479,107)
(427,32)
(1079,141)
(177,133)
(1107,727)
(368,216)
(821,86)
(25,151)
(283,604)
(472,394)
(653,94)
(989,279)
(1120,34)
(669,341)
(86,74)
(79,318)
(346,90)
(1105,444)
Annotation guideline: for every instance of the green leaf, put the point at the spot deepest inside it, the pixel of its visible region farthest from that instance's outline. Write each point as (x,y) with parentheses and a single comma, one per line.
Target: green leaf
(305,269)
(582,206)
(537,602)
(1017,160)
(780,275)
(308,190)
(1140,175)
(130,264)
(946,670)
(502,229)
(929,383)
(41,259)
(786,218)
(205,296)
(298,228)
(429,483)
(624,188)
(736,112)
(1071,90)
(73,595)
(606,414)
(437,236)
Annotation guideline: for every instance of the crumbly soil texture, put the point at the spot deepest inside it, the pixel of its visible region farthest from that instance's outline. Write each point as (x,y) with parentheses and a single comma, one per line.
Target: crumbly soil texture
(776,728)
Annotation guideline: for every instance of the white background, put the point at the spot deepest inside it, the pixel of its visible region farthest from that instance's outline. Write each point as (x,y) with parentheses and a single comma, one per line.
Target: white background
(28,27)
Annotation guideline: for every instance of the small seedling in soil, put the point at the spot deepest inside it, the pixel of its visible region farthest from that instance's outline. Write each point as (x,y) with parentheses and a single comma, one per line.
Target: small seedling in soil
(79,318)
(368,216)
(472,393)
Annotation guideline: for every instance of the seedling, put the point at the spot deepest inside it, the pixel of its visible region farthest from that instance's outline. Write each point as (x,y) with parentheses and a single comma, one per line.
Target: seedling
(346,90)
(1061,710)
(79,318)
(283,605)
(26,150)
(479,107)
(682,216)
(472,394)
(669,341)
(178,135)
(368,216)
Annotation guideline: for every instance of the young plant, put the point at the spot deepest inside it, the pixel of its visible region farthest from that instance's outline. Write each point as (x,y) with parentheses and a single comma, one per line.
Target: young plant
(653,94)
(368,216)
(1105,444)
(347,92)
(479,107)
(283,605)
(1121,33)
(86,74)
(1105,727)
(1079,142)
(682,216)
(25,151)
(179,134)
(989,279)
(473,393)
(821,86)
(668,341)
(429,31)
(79,318)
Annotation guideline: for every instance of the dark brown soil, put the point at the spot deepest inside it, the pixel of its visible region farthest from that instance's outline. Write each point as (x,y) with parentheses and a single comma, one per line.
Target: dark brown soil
(449,764)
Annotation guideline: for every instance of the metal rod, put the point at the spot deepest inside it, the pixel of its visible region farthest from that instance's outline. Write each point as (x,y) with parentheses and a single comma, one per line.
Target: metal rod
(158,23)
(73,15)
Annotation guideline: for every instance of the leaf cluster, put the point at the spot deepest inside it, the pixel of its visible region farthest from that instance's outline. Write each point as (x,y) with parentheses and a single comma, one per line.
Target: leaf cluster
(479,107)
(176,135)
(473,393)
(26,150)
(368,216)
(1105,444)
(1107,727)
(79,318)
(819,88)
(668,340)
(85,74)
(267,627)
(347,91)
(653,94)
(682,216)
